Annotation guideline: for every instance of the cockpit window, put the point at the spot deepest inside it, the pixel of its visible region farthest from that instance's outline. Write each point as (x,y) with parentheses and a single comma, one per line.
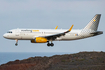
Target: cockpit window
(9,32)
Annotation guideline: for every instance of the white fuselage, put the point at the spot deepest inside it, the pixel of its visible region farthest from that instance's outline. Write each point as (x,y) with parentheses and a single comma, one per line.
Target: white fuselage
(30,34)
(46,35)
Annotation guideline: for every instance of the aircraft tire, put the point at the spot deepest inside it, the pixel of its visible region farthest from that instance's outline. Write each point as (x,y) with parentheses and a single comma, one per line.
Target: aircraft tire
(48,44)
(52,44)
(16,44)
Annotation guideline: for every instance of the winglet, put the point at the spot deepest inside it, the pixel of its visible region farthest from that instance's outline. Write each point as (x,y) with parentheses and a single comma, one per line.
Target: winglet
(71,28)
(56,27)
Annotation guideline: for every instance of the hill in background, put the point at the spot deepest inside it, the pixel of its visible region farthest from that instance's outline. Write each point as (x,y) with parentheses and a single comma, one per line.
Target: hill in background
(78,61)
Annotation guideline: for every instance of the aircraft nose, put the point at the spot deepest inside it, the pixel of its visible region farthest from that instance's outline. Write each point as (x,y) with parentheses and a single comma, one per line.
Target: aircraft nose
(5,35)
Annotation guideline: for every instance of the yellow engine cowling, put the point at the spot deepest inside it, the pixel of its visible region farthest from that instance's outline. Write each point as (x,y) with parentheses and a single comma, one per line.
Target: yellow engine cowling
(39,40)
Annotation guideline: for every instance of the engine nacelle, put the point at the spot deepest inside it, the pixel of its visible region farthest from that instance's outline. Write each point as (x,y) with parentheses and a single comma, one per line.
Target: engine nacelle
(39,40)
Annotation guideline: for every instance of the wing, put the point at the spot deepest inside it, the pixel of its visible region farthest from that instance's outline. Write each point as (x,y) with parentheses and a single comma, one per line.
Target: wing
(53,37)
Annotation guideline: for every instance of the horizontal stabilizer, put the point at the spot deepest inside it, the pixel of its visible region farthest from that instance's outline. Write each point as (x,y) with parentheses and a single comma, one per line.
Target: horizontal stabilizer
(97,33)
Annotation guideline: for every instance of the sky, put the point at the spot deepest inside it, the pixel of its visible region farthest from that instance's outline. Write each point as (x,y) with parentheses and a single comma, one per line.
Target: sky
(47,14)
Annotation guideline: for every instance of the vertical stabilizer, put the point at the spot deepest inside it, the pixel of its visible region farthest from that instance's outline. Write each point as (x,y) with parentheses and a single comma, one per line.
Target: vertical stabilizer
(93,24)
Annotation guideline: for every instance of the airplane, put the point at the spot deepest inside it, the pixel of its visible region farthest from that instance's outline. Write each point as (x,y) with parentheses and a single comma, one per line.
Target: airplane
(49,35)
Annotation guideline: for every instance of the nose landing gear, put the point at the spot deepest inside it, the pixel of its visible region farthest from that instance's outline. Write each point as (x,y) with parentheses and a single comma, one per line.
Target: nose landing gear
(16,42)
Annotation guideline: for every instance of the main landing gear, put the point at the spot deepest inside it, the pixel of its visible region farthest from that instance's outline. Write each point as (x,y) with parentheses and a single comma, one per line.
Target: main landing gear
(16,42)
(50,44)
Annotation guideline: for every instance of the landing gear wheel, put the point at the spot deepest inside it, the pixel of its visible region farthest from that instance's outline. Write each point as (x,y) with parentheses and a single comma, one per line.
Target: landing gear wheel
(48,44)
(16,44)
(52,44)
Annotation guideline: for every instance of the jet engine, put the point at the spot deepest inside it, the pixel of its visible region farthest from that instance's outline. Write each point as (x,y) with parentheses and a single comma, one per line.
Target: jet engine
(39,40)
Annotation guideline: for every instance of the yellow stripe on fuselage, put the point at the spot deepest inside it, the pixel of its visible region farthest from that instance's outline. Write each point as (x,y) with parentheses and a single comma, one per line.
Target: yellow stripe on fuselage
(35,30)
